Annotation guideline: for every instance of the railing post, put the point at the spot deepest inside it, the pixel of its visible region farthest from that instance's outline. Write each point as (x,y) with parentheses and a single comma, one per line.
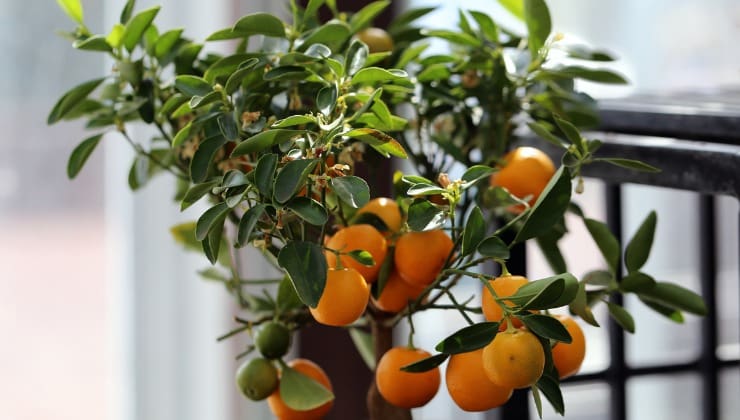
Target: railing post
(708,362)
(617,372)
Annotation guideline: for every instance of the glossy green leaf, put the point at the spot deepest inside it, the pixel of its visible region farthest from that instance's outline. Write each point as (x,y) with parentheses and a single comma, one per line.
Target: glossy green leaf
(211,218)
(630,164)
(201,101)
(476,173)
(294,120)
(487,26)
(286,73)
(247,224)
(80,154)
(311,8)
(287,298)
(356,56)
(584,52)
(549,246)
(570,131)
(549,384)
(638,249)
(408,16)
(622,317)
(547,326)
(228,127)
(585,73)
(459,38)
(474,233)
(410,54)
(172,103)
(225,67)
(306,265)
(203,157)
(636,281)
(670,313)
(73,9)
(537,18)
(291,178)
(606,241)
(426,364)
(263,140)
(547,293)
(94,43)
(549,208)
(265,173)
(543,133)
(364,344)
(136,26)
(212,244)
(472,337)
(365,16)
(676,297)
(115,36)
(378,140)
(192,85)
(166,42)
(260,23)
(301,392)
(138,175)
(599,278)
(326,99)
(425,189)
(127,11)
(352,190)
(333,34)
(423,215)
(373,75)
(309,210)
(580,307)
(195,193)
(71,99)
(183,135)
(236,78)
(361,256)
(494,247)
(515,7)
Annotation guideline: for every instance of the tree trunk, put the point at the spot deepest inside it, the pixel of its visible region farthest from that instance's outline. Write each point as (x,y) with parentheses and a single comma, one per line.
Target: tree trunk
(379,408)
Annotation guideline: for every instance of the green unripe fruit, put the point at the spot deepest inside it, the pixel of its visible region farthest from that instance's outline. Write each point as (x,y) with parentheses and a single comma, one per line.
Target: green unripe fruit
(257,379)
(273,340)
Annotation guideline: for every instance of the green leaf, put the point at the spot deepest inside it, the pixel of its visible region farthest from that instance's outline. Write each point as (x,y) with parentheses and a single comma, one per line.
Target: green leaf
(203,157)
(459,38)
(494,247)
(580,307)
(291,178)
(234,81)
(228,127)
(136,26)
(212,244)
(638,249)
(138,175)
(373,75)
(547,326)
(515,7)
(326,99)
(260,23)
(606,241)
(201,101)
(537,18)
(676,297)
(309,210)
(80,154)
(264,173)
(410,54)
(356,56)
(599,278)
(311,9)
(476,172)
(549,384)
(409,16)
(115,36)
(543,133)
(486,25)
(630,164)
(378,140)
(670,313)
(183,135)
(195,193)
(365,16)
(127,11)
(287,299)
(426,364)
(365,347)
(263,140)
(584,52)
(594,75)
(425,189)
(547,293)
(294,120)
(166,42)
(192,85)
(474,233)
(184,234)
(225,67)
(549,246)
(363,257)
(352,190)
(210,219)
(71,99)
(73,9)
(469,338)
(622,317)
(306,265)
(94,43)
(333,34)
(570,131)
(247,224)
(423,215)
(301,392)
(549,208)
(636,281)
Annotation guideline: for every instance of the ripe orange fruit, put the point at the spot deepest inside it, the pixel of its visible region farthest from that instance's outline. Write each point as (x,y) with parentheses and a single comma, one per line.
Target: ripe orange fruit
(376,39)
(405,389)
(420,256)
(344,298)
(283,412)
(568,357)
(504,286)
(526,171)
(514,359)
(364,237)
(387,210)
(469,386)
(396,294)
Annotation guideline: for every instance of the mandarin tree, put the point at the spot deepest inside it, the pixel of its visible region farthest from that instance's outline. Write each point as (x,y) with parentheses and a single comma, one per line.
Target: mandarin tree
(270,137)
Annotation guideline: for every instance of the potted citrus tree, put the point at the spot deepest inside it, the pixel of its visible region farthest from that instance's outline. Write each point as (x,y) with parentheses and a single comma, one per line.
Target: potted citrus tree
(271,136)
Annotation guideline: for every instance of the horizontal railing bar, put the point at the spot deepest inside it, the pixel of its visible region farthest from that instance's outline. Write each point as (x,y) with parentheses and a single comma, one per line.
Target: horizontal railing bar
(649,370)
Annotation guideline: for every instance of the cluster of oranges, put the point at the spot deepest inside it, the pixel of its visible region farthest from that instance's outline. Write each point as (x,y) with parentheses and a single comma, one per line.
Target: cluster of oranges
(418,257)
(484,378)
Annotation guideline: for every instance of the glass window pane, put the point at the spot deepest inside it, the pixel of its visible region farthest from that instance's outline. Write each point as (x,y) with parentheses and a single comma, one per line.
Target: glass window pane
(582,402)
(729,383)
(664,397)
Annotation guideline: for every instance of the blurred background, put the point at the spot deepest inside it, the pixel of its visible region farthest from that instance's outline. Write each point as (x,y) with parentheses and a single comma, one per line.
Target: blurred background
(104,317)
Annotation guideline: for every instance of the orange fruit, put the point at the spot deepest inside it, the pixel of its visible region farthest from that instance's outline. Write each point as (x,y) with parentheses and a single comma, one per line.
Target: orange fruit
(568,357)
(514,359)
(387,210)
(504,286)
(362,237)
(396,294)
(344,298)
(283,412)
(525,172)
(469,386)
(420,256)
(376,39)
(405,389)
